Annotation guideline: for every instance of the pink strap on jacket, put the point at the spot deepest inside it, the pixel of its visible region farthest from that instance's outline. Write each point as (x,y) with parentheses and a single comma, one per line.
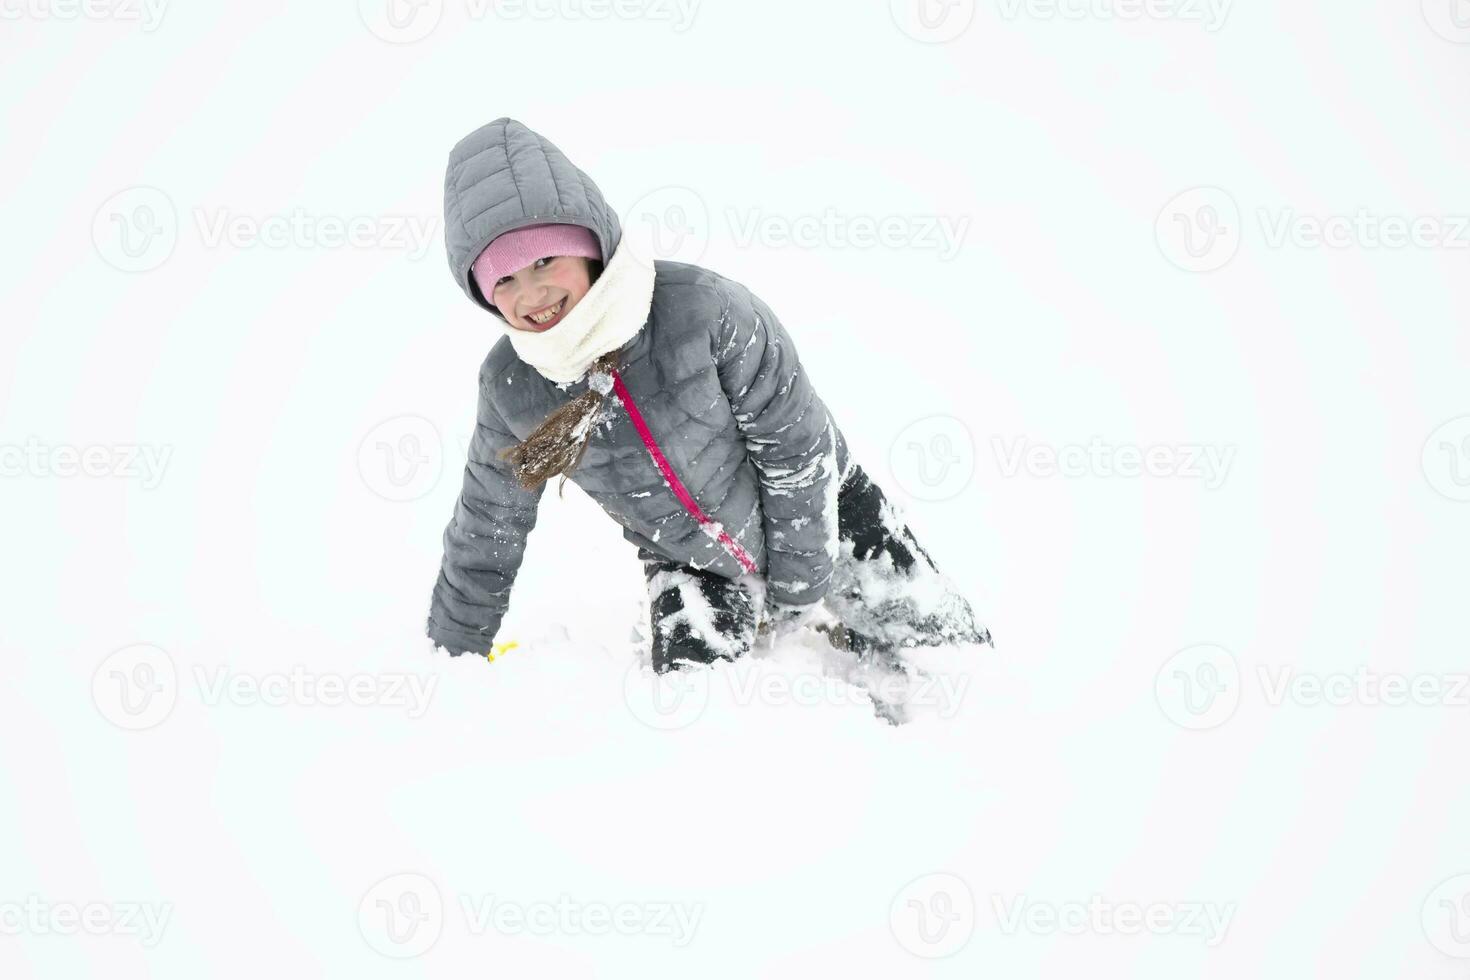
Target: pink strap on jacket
(675,484)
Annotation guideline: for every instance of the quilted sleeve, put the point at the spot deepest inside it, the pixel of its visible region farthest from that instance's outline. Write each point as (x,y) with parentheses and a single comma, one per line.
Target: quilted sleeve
(790,437)
(484,543)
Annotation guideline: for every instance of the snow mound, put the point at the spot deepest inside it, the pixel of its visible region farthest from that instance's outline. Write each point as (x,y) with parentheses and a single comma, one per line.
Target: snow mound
(801,673)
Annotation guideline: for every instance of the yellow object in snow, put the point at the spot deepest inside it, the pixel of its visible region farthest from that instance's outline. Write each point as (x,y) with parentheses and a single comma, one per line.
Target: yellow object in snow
(500,648)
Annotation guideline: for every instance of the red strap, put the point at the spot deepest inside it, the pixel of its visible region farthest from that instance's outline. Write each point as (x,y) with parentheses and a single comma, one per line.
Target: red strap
(672,478)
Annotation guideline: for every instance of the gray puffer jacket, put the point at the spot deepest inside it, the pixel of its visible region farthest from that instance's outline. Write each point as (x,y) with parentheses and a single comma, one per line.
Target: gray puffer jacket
(713,373)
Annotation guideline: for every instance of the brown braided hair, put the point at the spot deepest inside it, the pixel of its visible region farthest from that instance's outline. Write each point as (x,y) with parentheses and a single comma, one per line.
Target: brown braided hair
(560,440)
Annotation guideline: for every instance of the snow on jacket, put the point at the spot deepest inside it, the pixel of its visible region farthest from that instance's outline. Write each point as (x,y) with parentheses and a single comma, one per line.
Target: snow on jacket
(713,373)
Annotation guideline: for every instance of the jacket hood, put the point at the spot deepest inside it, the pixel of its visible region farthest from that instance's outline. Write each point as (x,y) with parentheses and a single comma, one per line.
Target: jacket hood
(504,176)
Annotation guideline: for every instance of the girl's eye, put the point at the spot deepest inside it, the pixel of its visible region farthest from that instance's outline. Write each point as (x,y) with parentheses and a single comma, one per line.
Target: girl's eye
(535,265)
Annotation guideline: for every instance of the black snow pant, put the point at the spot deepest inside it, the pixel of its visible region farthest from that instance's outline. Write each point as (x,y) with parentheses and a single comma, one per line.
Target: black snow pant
(886,592)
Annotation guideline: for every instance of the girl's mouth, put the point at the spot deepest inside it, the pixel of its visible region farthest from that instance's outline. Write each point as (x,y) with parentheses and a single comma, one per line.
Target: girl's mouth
(548,316)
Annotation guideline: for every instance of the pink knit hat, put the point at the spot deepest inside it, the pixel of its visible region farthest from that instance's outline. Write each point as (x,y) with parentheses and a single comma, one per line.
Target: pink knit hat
(517,249)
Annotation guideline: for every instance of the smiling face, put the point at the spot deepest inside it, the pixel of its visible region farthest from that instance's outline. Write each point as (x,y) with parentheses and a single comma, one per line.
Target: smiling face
(539,296)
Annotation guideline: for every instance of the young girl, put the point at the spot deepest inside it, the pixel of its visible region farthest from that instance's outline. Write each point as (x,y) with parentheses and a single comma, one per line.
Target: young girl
(675,398)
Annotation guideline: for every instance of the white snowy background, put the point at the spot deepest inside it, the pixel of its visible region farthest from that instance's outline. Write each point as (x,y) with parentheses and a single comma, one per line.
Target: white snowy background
(1222,732)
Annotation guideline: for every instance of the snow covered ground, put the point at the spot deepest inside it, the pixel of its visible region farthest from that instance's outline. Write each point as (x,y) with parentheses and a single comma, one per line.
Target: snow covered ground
(1203,476)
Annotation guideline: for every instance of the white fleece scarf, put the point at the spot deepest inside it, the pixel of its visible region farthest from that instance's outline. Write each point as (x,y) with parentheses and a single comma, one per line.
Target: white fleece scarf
(611,314)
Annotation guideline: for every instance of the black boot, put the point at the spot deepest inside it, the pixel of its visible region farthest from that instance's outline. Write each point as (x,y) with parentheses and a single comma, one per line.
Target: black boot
(860,520)
(697,617)
(886,590)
